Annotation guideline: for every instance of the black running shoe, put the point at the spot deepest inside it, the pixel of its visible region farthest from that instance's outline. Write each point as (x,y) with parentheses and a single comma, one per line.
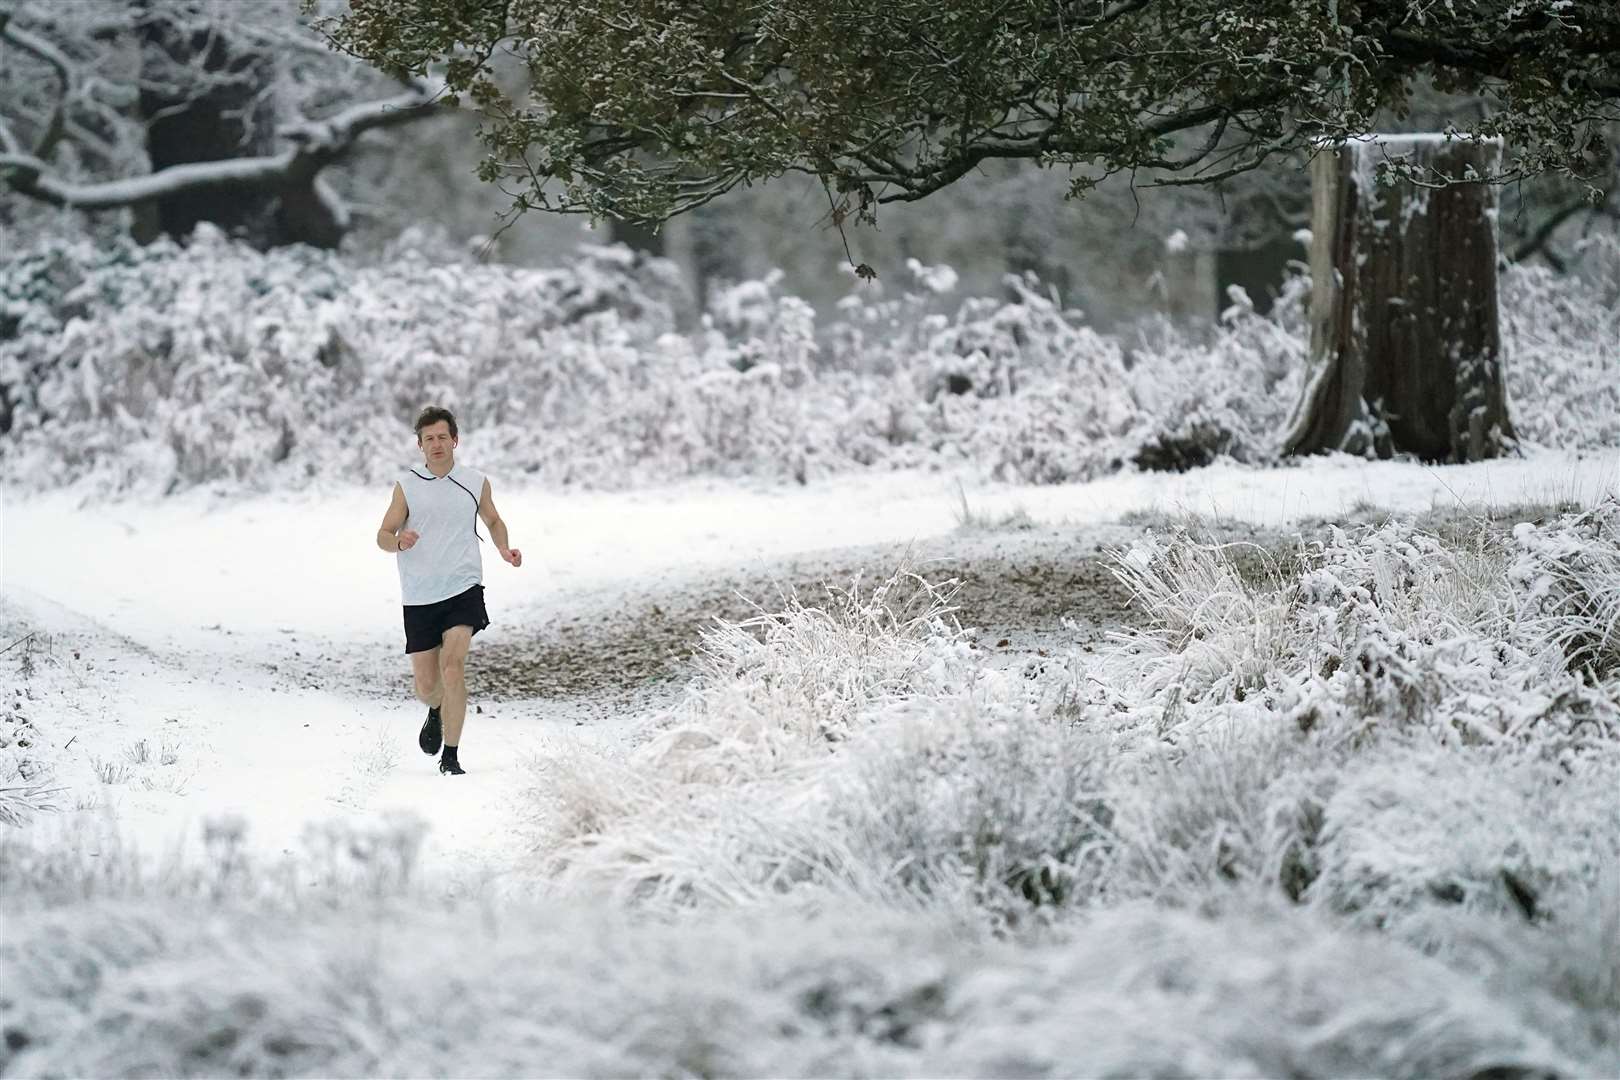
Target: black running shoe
(451,767)
(432,734)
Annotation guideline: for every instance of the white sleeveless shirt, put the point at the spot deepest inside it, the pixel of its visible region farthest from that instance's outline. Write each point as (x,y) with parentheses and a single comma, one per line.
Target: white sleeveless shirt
(445,560)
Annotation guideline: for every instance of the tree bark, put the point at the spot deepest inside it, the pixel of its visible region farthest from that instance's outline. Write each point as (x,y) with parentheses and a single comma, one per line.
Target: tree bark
(234,117)
(1406,350)
(638,236)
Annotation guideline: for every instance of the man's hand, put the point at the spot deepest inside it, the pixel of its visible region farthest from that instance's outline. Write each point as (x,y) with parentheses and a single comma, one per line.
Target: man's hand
(512,555)
(408,539)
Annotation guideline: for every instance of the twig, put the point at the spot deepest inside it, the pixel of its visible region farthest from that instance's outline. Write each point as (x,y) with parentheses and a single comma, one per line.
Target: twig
(18,642)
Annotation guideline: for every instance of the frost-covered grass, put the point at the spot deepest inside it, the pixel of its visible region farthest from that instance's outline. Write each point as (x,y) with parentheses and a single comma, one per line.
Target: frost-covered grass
(227,976)
(156,369)
(1343,809)
(1368,732)
(21,799)
(220,978)
(1209,748)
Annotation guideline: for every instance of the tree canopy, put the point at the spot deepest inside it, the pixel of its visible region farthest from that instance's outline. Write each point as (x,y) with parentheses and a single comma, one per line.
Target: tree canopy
(643,109)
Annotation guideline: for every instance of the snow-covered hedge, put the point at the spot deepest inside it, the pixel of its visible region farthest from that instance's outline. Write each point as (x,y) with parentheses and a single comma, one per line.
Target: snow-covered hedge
(161,368)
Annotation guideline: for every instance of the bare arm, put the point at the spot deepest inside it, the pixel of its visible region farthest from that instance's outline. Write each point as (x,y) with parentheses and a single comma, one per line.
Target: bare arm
(389,536)
(497,527)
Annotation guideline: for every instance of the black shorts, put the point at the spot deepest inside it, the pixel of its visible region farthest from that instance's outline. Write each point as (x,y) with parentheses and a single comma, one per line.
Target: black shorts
(425,624)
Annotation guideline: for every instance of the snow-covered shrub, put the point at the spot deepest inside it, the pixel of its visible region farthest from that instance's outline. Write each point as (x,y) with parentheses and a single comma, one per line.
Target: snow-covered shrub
(1567,578)
(975,801)
(1418,825)
(1020,386)
(1394,724)
(153,982)
(1561,336)
(1209,629)
(777,694)
(834,658)
(980,800)
(1386,625)
(165,367)
(752,322)
(1227,396)
(1237,805)
(162,367)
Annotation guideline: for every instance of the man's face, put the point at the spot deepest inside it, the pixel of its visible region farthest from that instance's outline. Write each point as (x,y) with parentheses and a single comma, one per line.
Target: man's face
(437,444)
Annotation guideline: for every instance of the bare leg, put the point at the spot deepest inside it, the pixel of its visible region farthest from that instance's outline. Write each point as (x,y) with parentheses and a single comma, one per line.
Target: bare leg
(429,687)
(453,680)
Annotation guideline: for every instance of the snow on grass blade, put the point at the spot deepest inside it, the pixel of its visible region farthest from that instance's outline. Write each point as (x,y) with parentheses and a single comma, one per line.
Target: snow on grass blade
(1568,574)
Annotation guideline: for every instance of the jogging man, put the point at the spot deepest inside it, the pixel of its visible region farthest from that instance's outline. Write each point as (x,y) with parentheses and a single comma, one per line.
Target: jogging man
(432,525)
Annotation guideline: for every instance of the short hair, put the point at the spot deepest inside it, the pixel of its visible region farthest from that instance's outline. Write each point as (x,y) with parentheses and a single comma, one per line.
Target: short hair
(432,415)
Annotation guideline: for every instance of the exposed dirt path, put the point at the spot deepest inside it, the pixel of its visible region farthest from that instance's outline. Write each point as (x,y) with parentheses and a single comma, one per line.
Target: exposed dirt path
(1010,585)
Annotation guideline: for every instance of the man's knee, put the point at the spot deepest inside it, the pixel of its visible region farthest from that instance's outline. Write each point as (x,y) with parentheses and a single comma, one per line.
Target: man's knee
(453,670)
(425,691)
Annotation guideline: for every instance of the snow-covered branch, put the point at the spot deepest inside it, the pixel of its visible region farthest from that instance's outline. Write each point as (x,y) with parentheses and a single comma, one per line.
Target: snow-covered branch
(30,176)
(338,132)
(59,63)
(316,143)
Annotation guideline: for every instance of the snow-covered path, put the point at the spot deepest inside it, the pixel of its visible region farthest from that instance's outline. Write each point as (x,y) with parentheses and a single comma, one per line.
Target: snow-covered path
(242,575)
(257,637)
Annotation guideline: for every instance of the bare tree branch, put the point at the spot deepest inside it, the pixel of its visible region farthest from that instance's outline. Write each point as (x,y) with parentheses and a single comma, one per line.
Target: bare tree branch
(1536,242)
(59,63)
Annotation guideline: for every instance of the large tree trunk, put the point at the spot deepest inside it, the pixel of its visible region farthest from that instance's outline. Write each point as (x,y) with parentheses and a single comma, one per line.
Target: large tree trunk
(226,112)
(1405,344)
(716,248)
(647,239)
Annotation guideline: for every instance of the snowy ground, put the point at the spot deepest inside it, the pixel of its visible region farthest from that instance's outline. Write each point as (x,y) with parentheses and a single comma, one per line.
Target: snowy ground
(255,641)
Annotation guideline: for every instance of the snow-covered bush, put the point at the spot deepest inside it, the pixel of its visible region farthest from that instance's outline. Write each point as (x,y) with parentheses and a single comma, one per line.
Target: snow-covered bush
(155,980)
(1561,335)
(165,367)
(1567,578)
(1393,725)
(836,657)
(1388,624)
(982,802)
(776,695)
(1417,825)
(1228,396)
(1020,386)
(1236,805)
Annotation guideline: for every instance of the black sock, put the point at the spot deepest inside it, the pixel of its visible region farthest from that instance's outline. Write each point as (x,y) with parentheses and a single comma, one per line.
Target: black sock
(449,752)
